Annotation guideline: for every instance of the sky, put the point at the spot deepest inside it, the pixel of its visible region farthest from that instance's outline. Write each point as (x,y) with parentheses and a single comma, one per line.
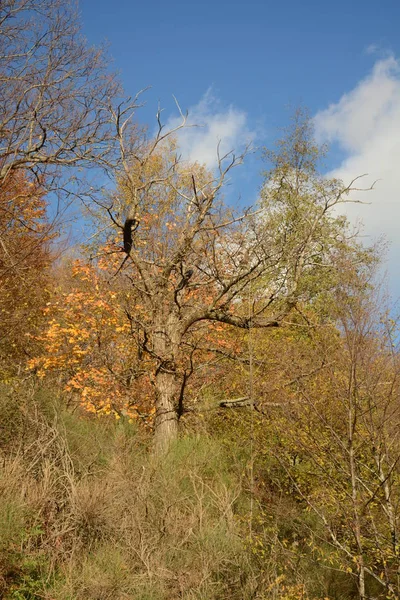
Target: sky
(240,68)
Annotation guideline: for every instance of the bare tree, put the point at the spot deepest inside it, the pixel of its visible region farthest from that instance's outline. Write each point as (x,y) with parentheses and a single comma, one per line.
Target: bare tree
(54,89)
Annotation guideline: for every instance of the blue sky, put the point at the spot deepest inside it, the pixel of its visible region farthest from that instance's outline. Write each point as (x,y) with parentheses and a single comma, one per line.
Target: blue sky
(239,67)
(258,55)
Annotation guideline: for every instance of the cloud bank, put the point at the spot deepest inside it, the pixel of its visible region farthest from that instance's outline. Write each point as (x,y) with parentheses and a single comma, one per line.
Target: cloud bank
(365,124)
(211,124)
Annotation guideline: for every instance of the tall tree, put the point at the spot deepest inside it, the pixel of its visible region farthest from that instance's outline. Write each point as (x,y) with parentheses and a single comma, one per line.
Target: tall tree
(191,261)
(184,266)
(53,99)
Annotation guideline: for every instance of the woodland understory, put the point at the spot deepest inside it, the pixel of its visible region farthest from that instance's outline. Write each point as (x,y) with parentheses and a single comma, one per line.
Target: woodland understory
(199,400)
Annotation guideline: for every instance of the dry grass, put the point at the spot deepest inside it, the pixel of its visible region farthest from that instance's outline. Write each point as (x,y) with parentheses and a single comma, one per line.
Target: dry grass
(88,513)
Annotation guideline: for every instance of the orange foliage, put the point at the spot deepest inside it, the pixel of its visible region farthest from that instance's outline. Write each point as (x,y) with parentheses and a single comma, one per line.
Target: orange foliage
(88,341)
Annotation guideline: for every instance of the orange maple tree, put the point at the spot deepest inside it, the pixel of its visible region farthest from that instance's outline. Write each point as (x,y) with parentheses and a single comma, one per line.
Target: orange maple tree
(87,339)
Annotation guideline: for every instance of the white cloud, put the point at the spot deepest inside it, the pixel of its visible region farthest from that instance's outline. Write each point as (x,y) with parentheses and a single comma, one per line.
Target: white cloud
(211,124)
(365,123)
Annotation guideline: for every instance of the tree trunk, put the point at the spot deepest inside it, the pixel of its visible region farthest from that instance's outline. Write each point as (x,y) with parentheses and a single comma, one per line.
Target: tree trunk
(167,347)
(166,420)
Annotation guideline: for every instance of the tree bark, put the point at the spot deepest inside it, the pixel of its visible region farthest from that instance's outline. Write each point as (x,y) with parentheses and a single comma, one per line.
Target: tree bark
(166,419)
(167,339)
